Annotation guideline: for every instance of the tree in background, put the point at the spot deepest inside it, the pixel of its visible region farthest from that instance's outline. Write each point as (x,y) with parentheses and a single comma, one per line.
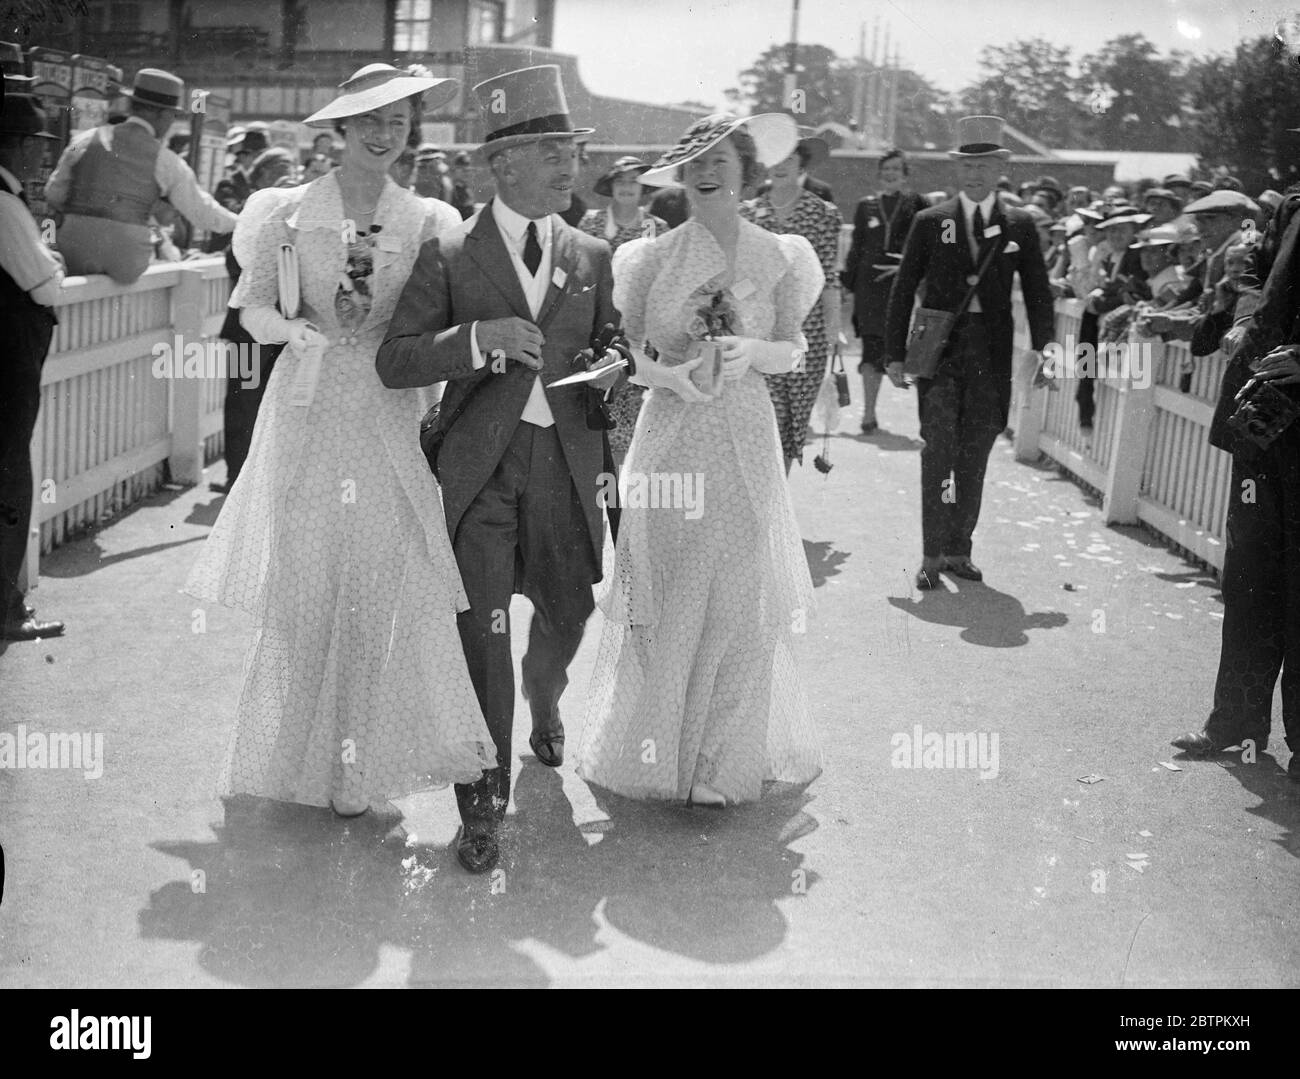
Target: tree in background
(1244,104)
(1031,85)
(830,88)
(1136,99)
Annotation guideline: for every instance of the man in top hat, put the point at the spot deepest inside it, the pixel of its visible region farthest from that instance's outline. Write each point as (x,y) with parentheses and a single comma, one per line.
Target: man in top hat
(109,177)
(498,308)
(965,406)
(30,280)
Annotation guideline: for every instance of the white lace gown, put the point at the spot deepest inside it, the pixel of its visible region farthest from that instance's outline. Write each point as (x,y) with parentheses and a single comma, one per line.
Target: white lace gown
(695,678)
(333,539)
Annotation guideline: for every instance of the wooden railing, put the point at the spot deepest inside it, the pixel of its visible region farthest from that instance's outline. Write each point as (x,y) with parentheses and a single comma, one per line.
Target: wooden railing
(1148,457)
(108,428)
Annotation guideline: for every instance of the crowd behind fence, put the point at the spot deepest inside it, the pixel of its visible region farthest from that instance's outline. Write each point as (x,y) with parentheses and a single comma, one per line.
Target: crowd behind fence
(110,431)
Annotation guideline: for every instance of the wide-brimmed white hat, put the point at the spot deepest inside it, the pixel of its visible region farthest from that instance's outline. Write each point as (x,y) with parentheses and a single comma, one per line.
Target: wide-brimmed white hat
(775,136)
(377,85)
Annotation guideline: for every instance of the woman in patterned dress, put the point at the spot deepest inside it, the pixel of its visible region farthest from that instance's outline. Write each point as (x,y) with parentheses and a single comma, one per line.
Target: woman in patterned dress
(788,207)
(622,220)
(695,694)
(333,538)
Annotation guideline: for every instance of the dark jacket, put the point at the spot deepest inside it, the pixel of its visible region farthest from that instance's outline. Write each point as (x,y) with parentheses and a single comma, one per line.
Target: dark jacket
(876,233)
(937,254)
(1276,322)
(465,276)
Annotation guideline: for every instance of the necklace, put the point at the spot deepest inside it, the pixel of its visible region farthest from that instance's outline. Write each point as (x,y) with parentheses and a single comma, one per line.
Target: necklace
(784,207)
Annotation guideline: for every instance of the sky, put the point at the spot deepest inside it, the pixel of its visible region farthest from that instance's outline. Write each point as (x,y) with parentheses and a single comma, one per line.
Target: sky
(677,50)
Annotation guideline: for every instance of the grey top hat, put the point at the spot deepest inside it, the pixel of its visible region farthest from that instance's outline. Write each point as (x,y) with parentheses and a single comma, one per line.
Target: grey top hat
(525,106)
(980,136)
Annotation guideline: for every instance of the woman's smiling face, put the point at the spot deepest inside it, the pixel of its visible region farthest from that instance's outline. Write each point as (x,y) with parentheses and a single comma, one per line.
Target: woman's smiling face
(375,139)
(714,177)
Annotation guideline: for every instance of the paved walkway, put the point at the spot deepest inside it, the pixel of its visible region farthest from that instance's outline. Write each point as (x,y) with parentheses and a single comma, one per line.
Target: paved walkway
(1085,651)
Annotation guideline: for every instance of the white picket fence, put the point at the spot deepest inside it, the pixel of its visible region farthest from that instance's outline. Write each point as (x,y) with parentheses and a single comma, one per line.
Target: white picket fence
(107,425)
(1149,457)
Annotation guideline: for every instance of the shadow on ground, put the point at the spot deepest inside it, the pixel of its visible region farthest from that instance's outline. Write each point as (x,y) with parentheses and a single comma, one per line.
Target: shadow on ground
(293,896)
(988,617)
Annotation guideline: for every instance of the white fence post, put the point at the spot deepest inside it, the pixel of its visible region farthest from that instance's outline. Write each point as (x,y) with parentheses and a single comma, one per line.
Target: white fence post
(186,458)
(1135,410)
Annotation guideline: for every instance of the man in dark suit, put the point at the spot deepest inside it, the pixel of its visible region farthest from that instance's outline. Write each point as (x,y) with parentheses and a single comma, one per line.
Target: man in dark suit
(965,405)
(1261,564)
(30,281)
(499,308)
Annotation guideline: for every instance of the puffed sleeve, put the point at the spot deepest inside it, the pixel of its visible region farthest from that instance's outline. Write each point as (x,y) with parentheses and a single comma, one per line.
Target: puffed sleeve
(799,288)
(439,217)
(635,265)
(256,244)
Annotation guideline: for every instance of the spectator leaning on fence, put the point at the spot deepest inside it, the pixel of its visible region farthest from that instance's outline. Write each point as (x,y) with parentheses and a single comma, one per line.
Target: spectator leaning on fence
(30,279)
(109,177)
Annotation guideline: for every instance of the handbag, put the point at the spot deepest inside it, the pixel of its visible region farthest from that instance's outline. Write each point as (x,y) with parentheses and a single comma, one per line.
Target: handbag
(932,327)
(841,378)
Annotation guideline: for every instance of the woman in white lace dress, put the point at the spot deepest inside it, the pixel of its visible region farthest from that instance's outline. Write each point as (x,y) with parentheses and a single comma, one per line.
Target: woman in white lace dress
(333,538)
(696,695)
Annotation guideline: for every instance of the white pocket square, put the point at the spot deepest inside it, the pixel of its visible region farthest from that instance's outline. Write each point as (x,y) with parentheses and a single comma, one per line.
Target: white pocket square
(1011,248)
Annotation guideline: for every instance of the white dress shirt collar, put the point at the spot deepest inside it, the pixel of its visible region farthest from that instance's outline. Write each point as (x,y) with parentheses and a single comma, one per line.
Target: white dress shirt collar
(968,205)
(143,123)
(10,181)
(514,225)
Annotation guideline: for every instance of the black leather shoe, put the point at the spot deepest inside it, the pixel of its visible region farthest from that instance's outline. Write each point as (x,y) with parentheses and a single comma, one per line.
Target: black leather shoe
(869,428)
(1197,744)
(927,580)
(963,568)
(477,851)
(548,746)
(1293,768)
(30,629)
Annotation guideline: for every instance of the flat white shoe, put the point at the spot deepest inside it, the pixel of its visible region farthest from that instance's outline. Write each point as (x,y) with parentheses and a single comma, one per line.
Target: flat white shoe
(348,809)
(702,795)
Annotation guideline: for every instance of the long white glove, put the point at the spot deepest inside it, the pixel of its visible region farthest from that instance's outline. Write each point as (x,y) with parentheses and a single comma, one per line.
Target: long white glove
(767,357)
(677,377)
(268,327)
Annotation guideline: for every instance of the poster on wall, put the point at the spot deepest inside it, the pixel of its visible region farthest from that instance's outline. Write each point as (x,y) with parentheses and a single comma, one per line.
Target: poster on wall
(52,71)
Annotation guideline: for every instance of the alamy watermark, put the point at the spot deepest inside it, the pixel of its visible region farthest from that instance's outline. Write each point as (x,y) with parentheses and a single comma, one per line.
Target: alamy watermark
(949,750)
(1129,360)
(208,359)
(653,490)
(82,752)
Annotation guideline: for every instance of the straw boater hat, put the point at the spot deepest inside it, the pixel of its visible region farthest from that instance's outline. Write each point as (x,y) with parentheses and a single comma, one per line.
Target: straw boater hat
(980,136)
(525,106)
(775,136)
(623,167)
(161,89)
(377,85)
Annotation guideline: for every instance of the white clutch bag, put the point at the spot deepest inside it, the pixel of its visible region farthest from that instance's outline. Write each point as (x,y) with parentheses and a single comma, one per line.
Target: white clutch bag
(286,267)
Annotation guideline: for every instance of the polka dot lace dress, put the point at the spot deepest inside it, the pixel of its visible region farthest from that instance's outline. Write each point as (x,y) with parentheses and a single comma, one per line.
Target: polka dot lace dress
(333,538)
(695,679)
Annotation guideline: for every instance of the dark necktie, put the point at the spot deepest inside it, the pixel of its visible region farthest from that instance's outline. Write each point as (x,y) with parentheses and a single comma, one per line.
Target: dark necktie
(532,249)
(977,240)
